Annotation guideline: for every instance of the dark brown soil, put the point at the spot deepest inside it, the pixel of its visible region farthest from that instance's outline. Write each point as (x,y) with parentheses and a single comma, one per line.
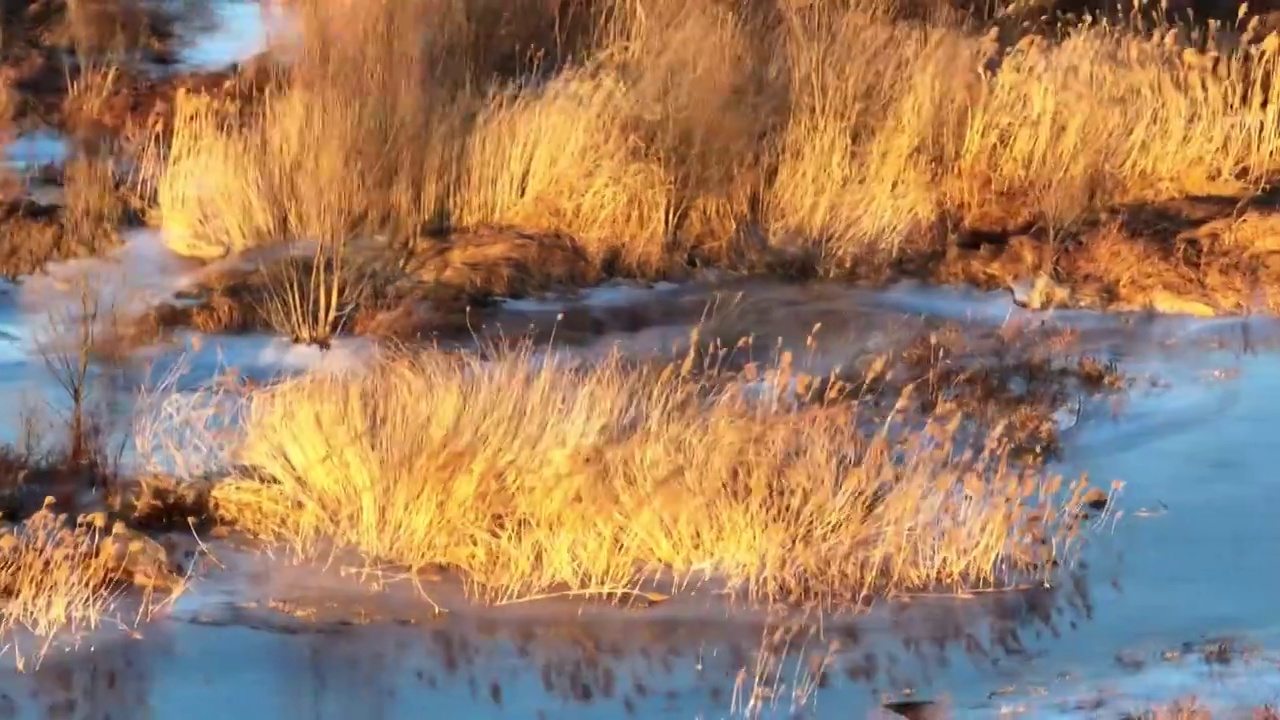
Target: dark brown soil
(1198,256)
(33,234)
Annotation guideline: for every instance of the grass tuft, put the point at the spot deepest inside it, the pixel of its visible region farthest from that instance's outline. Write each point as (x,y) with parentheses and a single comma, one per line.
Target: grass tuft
(531,475)
(53,575)
(679,131)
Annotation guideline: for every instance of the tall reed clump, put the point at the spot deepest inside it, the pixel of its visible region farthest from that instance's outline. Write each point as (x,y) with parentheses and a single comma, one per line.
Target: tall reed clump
(364,133)
(563,160)
(947,123)
(866,144)
(659,131)
(94,206)
(1109,117)
(528,475)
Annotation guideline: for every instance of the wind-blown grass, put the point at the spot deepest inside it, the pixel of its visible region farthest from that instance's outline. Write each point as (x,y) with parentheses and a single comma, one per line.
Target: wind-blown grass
(693,128)
(530,475)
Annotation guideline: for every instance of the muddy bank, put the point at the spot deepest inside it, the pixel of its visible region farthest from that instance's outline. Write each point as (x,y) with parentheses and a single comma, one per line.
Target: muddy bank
(1204,258)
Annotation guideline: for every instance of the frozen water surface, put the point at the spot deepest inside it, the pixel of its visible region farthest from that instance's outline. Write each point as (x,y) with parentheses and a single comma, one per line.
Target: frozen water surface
(1187,564)
(239,29)
(34,149)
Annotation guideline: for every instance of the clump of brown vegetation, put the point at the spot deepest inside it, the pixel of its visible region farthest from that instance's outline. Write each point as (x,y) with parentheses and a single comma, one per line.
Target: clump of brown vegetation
(1014,380)
(33,234)
(58,572)
(653,137)
(53,575)
(52,46)
(127,110)
(65,566)
(530,474)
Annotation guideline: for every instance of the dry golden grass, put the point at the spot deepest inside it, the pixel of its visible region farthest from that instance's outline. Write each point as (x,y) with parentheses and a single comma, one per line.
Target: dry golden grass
(60,575)
(54,575)
(1192,709)
(310,299)
(529,476)
(116,29)
(94,206)
(9,105)
(10,102)
(87,101)
(673,126)
(87,224)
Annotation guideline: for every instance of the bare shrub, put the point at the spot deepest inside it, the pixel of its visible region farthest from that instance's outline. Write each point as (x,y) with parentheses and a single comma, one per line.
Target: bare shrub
(310,299)
(72,348)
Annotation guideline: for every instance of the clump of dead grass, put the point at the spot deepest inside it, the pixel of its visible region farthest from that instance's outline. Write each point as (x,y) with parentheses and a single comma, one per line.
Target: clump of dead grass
(9,104)
(53,575)
(114,30)
(649,156)
(95,208)
(310,299)
(680,132)
(1191,708)
(60,574)
(369,151)
(34,234)
(529,475)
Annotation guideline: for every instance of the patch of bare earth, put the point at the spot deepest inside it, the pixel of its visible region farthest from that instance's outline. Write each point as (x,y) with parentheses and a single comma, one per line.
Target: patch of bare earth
(1200,256)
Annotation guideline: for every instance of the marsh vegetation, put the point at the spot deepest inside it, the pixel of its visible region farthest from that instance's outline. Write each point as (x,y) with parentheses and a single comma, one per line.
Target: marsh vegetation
(400,175)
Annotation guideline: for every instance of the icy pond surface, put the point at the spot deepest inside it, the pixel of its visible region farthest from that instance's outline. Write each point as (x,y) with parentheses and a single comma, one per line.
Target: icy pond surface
(238,30)
(1177,589)
(32,150)
(1186,568)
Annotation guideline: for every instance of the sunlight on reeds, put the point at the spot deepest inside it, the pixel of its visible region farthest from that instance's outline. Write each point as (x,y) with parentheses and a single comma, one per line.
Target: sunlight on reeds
(680,124)
(529,474)
(54,576)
